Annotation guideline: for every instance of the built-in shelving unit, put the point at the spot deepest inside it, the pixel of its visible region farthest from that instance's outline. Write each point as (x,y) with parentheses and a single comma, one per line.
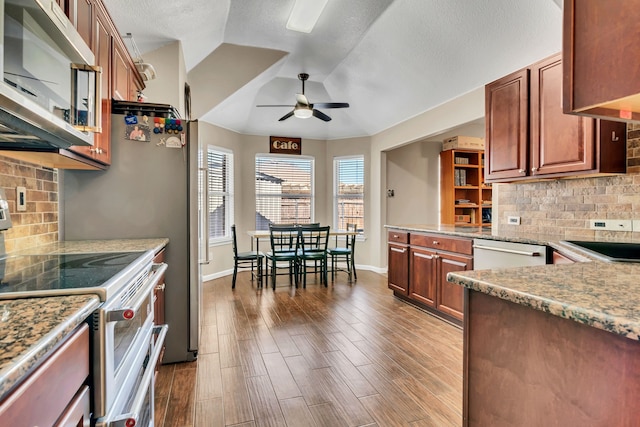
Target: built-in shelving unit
(465,199)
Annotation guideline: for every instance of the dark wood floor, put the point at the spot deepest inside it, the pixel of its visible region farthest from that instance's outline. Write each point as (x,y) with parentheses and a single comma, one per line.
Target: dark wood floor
(347,355)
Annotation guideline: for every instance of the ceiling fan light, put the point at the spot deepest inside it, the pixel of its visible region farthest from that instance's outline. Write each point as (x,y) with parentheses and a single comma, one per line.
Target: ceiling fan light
(305,14)
(302,112)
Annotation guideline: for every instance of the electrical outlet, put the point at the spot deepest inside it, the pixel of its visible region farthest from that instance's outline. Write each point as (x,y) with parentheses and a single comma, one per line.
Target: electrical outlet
(513,220)
(611,224)
(21,199)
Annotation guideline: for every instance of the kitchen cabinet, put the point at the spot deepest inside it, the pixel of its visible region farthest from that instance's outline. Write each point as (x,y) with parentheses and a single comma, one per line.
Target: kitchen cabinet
(426,261)
(102,42)
(599,45)
(158,302)
(120,79)
(432,257)
(529,137)
(463,193)
(56,390)
(398,262)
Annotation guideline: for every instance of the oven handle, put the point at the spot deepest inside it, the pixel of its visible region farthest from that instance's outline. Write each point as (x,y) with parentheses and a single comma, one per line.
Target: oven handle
(131,418)
(128,313)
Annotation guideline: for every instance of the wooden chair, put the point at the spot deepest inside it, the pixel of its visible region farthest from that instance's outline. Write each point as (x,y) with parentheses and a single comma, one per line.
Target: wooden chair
(284,248)
(346,253)
(313,242)
(244,260)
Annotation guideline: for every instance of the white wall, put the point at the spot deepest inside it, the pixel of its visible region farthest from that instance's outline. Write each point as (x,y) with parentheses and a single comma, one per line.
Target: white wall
(413,172)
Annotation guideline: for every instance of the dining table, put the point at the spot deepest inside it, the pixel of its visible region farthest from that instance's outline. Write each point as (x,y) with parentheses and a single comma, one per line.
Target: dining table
(257,235)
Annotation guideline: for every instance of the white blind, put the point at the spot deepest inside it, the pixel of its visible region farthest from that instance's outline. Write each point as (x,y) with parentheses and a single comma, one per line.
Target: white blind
(284,190)
(349,192)
(220,164)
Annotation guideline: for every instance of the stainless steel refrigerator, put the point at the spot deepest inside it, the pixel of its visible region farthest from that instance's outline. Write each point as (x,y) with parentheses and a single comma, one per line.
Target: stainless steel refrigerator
(149,191)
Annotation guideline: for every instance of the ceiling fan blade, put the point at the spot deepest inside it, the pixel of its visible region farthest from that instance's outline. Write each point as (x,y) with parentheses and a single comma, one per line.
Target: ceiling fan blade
(321,115)
(286,116)
(330,105)
(301,99)
(290,106)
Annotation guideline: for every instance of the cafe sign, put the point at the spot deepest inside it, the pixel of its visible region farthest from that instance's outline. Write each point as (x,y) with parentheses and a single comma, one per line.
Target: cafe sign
(285,145)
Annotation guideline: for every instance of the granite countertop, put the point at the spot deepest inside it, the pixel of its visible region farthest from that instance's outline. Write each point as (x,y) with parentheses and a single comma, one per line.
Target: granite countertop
(97,246)
(600,294)
(32,328)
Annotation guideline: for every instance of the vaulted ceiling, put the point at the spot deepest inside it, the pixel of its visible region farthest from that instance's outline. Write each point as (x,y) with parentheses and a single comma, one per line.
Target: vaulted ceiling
(389,59)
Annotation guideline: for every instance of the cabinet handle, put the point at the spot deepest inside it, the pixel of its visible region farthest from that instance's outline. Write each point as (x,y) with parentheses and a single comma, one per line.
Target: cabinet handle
(520,170)
(534,169)
(395,236)
(614,138)
(435,242)
(160,287)
(398,250)
(96,150)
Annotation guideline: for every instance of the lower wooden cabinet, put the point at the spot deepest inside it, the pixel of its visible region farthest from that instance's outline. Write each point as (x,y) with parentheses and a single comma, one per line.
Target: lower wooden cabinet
(56,390)
(158,300)
(398,262)
(426,261)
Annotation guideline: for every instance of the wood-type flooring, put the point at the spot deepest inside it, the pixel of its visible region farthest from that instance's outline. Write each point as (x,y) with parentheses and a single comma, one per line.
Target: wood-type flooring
(346,355)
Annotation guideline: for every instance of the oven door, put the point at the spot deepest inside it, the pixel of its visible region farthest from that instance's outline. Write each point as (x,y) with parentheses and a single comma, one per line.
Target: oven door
(125,323)
(134,405)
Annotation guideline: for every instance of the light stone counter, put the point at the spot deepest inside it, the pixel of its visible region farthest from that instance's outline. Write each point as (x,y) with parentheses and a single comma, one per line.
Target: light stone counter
(97,246)
(32,327)
(603,295)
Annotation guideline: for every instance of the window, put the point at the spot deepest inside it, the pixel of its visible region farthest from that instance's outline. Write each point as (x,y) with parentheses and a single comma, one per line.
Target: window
(349,192)
(220,164)
(284,190)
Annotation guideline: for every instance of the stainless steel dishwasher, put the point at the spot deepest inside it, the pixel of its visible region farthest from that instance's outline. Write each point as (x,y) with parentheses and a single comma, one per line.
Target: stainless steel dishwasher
(498,254)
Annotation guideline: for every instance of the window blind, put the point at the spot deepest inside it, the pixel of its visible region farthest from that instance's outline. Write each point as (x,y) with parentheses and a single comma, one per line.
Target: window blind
(284,191)
(220,164)
(349,192)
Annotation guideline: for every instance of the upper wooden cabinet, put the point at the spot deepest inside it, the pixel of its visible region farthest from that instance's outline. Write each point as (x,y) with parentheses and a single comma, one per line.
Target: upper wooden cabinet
(600,44)
(528,136)
(120,79)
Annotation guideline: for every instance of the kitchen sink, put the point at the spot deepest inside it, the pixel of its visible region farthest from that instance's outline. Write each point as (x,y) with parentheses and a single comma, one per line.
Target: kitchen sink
(608,251)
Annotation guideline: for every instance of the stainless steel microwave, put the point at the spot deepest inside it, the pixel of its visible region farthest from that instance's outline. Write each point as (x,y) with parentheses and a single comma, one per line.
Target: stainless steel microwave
(49,95)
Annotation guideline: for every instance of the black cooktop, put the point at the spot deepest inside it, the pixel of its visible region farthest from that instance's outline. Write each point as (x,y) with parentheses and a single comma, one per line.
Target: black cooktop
(45,275)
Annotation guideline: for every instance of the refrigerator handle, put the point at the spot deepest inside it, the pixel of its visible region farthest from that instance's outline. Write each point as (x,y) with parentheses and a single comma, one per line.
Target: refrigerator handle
(205,217)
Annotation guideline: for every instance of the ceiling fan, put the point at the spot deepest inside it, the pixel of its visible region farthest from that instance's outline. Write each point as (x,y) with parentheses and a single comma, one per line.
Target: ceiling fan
(304,109)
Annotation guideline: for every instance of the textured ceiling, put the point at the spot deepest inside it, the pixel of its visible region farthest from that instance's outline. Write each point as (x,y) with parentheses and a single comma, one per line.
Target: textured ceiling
(389,59)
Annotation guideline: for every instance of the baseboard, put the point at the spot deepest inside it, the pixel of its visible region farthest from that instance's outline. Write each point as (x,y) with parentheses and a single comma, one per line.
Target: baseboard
(219,274)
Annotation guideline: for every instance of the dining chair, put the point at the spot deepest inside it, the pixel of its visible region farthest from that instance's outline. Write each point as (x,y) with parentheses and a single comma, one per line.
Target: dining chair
(345,253)
(284,249)
(313,242)
(244,260)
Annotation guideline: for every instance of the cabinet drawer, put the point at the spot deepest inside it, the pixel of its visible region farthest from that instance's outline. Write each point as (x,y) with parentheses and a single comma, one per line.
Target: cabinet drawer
(398,237)
(442,243)
(46,393)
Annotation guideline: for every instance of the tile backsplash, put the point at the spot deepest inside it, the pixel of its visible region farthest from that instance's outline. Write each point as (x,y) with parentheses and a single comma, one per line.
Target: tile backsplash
(565,206)
(38,224)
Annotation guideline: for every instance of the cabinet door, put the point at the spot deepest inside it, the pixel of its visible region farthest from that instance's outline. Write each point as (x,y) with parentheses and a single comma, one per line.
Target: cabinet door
(102,46)
(559,142)
(422,278)
(507,133)
(398,268)
(121,72)
(83,19)
(450,296)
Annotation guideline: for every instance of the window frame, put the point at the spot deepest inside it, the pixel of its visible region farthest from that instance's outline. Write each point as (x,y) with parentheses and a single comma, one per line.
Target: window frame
(228,196)
(336,188)
(285,158)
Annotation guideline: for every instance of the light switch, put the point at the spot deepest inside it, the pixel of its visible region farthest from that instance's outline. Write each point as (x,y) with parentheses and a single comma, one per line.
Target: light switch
(21,199)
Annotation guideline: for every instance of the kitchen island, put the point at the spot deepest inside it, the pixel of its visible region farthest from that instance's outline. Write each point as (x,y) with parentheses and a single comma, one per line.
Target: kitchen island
(552,345)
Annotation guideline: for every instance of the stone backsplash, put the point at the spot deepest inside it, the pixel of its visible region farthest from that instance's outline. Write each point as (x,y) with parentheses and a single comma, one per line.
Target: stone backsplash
(38,224)
(564,207)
